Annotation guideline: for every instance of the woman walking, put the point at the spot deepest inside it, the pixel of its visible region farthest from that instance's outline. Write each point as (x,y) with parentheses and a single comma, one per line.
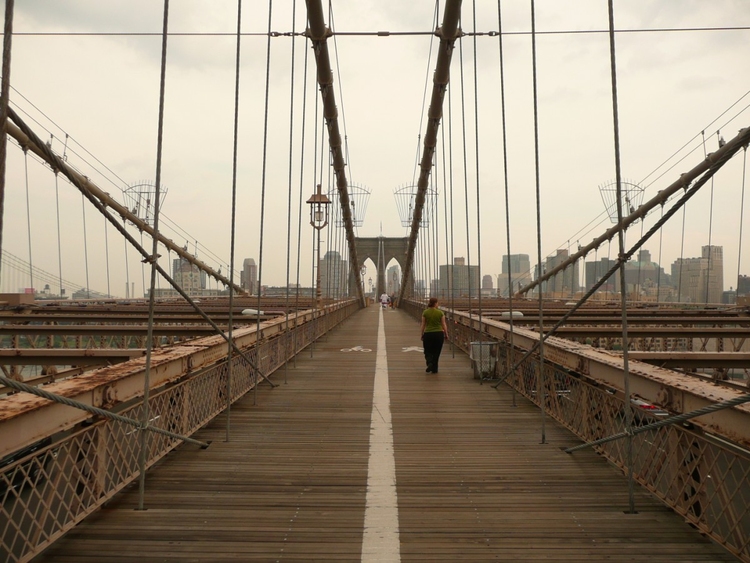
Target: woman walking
(434,332)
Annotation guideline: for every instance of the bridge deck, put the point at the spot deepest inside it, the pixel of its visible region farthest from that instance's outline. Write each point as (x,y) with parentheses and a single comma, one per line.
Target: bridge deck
(473,482)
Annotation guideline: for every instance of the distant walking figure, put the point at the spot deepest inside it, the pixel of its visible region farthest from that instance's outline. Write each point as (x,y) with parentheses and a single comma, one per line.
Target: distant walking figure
(434,332)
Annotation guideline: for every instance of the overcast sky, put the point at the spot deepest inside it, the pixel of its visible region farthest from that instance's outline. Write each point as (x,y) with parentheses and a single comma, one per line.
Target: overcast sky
(90,69)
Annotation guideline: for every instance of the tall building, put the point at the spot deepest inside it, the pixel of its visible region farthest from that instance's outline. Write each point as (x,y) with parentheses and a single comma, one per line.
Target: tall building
(249,276)
(700,280)
(458,279)
(564,283)
(333,275)
(743,285)
(519,267)
(393,279)
(487,282)
(595,270)
(187,276)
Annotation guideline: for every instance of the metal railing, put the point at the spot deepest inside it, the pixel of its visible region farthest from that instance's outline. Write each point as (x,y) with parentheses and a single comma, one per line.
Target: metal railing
(701,476)
(51,489)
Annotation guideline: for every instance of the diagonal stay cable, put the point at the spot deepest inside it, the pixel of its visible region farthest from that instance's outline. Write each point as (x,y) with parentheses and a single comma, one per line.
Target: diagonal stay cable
(677,419)
(448,34)
(624,258)
(58,164)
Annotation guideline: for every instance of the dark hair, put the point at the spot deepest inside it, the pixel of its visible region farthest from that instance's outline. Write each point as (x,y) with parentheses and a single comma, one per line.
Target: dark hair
(433,301)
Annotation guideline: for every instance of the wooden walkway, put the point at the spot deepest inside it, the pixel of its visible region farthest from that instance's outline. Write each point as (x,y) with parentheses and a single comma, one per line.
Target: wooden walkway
(473,482)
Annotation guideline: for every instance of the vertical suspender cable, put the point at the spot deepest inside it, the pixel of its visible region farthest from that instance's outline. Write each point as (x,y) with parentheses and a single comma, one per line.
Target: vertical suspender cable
(710,224)
(299,209)
(621,258)
(129,294)
(85,248)
(106,254)
(59,241)
(28,220)
(263,195)
(445,229)
(235,137)
(509,356)
(742,211)
(451,267)
(4,101)
(289,195)
(540,377)
(466,183)
(153,260)
(658,271)
(476,159)
(682,256)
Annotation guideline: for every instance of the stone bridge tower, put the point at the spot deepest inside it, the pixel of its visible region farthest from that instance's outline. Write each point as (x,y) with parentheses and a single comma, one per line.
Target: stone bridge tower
(381,250)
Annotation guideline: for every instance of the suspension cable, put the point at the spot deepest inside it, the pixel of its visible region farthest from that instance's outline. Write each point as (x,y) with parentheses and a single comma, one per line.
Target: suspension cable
(233,230)
(658,271)
(4,106)
(710,223)
(106,254)
(28,219)
(621,244)
(452,276)
(509,358)
(154,263)
(466,177)
(476,159)
(263,184)
(742,212)
(289,192)
(540,383)
(59,243)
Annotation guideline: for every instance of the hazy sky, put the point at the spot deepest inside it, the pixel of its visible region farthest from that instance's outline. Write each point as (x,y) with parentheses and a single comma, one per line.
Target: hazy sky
(90,69)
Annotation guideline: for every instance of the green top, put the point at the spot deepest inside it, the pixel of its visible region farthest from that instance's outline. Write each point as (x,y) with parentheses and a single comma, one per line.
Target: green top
(433,316)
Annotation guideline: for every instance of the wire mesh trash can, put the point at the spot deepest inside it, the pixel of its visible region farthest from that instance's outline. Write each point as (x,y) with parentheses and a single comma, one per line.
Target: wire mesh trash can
(484,359)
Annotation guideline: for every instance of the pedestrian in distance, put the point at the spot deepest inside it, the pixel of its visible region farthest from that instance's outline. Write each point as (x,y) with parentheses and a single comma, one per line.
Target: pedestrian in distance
(434,333)
(384,300)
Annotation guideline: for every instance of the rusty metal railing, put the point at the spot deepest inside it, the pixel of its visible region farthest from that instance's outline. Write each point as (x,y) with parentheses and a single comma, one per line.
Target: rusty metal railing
(58,483)
(702,476)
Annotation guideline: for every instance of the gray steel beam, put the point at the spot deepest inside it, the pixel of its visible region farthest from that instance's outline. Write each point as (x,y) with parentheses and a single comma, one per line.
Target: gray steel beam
(448,33)
(719,157)
(319,34)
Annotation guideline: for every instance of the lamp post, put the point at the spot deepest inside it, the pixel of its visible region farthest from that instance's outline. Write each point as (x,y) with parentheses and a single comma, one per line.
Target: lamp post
(362,273)
(319,203)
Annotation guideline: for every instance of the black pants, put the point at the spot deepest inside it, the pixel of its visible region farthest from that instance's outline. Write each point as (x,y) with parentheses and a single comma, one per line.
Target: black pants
(433,345)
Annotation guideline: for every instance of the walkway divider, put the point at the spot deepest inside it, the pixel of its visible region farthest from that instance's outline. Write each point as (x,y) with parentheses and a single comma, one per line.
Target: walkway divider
(380,540)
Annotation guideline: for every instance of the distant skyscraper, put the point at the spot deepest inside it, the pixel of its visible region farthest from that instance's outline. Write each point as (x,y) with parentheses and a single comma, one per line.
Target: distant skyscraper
(250,276)
(519,267)
(487,282)
(393,279)
(187,276)
(743,285)
(333,273)
(700,280)
(458,279)
(564,283)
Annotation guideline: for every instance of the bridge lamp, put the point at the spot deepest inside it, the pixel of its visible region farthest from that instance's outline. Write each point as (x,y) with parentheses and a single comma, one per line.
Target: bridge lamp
(318,203)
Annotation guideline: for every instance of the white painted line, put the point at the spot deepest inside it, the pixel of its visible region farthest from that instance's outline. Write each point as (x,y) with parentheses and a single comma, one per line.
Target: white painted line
(380,541)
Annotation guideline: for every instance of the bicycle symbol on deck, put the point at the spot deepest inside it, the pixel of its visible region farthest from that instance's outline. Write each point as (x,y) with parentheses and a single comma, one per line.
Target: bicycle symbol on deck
(356,349)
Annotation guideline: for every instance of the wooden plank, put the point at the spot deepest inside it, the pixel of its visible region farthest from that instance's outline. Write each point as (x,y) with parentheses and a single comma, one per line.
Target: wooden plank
(473,481)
